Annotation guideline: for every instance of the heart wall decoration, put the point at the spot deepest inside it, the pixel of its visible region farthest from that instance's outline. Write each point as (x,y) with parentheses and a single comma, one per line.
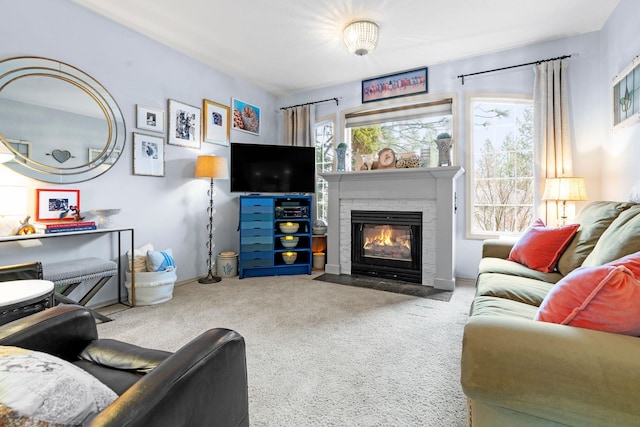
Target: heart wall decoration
(61,155)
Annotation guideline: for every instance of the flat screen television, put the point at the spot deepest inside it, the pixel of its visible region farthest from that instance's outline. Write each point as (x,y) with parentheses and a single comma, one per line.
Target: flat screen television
(265,168)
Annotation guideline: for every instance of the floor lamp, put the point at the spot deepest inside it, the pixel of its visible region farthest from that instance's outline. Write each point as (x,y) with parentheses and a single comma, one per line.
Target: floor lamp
(211,167)
(565,189)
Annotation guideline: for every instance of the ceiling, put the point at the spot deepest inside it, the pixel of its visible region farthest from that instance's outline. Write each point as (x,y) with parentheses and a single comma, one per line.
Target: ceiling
(288,46)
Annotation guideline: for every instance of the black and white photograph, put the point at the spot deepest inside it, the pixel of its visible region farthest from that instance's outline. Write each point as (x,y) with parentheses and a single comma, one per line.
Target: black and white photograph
(184,124)
(148,118)
(148,155)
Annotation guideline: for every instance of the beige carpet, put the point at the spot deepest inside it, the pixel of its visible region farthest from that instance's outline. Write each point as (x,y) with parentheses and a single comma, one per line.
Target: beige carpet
(323,354)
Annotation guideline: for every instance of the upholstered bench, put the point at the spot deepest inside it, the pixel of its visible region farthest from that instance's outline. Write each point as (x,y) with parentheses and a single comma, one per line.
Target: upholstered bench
(68,275)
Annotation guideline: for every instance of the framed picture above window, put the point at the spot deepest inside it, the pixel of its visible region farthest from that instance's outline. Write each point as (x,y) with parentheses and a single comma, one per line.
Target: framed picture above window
(395,85)
(216,124)
(148,118)
(626,95)
(148,155)
(184,125)
(56,204)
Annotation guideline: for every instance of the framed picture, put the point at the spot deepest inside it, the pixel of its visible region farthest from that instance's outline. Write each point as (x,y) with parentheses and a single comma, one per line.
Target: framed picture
(148,155)
(149,118)
(626,96)
(184,125)
(56,204)
(94,153)
(395,85)
(246,117)
(216,123)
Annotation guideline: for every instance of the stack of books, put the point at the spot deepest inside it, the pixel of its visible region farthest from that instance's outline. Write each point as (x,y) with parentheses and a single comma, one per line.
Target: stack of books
(65,227)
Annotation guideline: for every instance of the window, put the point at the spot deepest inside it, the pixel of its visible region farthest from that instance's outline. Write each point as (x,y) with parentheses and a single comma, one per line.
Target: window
(410,130)
(502,165)
(324,163)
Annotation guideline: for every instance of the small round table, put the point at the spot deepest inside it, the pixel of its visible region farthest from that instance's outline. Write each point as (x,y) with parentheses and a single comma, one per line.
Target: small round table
(20,298)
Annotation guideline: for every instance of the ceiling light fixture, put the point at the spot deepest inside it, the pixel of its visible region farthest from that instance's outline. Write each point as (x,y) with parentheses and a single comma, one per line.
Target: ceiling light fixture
(361,37)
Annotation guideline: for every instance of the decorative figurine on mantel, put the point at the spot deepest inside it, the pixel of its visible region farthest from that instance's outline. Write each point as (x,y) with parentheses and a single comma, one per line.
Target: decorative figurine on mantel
(444,144)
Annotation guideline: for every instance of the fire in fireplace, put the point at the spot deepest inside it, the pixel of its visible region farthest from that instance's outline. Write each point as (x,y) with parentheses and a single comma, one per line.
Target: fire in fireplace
(387,244)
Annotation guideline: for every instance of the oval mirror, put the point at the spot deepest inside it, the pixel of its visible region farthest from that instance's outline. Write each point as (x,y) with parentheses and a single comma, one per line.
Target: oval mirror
(61,125)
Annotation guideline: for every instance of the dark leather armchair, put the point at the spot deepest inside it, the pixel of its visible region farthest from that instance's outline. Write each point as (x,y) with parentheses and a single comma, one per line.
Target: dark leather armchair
(204,383)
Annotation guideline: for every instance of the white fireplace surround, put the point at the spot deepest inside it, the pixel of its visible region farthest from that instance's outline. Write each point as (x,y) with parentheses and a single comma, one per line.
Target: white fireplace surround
(427,190)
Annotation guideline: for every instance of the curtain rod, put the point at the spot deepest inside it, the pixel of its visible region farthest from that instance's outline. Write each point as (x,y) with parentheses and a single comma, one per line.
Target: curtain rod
(311,103)
(462,76)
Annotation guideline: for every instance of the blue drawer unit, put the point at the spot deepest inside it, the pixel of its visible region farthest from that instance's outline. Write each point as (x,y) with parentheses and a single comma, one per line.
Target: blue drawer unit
(262,252)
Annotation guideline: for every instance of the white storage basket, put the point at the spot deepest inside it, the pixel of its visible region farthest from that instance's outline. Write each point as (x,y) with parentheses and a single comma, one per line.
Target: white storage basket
(152,287)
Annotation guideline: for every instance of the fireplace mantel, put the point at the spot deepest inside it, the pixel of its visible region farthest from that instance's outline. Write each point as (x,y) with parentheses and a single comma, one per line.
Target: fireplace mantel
(396,186)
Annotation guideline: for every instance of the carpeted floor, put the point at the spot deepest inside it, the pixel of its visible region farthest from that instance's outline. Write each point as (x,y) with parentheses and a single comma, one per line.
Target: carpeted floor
(322,354)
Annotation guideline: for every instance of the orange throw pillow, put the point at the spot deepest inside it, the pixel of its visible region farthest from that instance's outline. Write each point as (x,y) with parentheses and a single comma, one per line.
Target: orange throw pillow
(540,247)
(604,298)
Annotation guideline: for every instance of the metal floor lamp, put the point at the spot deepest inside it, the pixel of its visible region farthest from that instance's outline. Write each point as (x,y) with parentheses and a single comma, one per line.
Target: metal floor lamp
(212,167)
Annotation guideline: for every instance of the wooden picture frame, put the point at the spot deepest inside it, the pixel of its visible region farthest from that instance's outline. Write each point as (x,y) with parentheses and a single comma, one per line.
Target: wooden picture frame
(184,125)
(56,204)
(406,83)
(246,117)
(216,127)
(151,119)
(148,155)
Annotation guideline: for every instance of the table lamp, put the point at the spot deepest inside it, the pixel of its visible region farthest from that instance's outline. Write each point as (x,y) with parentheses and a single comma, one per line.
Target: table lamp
(565,189)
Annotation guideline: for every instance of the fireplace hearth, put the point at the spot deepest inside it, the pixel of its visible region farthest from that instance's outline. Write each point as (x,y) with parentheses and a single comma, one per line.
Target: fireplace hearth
(387,244)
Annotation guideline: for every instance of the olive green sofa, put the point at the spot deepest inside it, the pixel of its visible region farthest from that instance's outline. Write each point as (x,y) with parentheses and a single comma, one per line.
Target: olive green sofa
(517,371)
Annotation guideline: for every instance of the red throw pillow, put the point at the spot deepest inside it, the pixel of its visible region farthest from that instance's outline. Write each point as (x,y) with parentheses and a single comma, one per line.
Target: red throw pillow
(540,247)
(605,298)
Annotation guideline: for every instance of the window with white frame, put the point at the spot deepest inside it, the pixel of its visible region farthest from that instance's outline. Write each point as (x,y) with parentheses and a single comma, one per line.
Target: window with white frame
(501,175)
(325,131)
(410,130)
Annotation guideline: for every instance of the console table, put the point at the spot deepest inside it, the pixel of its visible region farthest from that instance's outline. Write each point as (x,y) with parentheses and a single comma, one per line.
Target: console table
(99,231)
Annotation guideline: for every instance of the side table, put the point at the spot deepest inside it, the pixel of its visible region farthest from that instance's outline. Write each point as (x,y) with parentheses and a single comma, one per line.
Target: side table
(20,298)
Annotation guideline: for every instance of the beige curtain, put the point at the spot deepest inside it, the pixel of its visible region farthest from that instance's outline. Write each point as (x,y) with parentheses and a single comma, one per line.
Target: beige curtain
(299,126)
(552,139)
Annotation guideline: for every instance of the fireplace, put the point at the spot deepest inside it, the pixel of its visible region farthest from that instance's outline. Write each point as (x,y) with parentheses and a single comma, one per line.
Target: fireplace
(387,244)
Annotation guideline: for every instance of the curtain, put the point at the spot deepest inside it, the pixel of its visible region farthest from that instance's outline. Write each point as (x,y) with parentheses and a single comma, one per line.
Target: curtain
(551,135)
(299,126)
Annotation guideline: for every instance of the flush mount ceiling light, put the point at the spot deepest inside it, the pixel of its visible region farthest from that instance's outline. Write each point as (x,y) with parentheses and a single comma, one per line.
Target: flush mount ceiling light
(361,37)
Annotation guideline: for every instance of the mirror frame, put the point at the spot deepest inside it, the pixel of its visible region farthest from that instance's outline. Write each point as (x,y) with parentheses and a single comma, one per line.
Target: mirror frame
(22,67)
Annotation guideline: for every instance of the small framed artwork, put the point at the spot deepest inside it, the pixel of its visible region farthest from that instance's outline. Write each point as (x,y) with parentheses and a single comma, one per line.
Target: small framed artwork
(184,125)
(626,96)
(406,83)
(246,117)
(149,118)
(94,154)
(148,155)
(216,122)
(56,204)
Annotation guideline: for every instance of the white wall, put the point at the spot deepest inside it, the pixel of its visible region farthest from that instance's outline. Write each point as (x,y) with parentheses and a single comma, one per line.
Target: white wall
(586,103)
(621,149)
(168,211)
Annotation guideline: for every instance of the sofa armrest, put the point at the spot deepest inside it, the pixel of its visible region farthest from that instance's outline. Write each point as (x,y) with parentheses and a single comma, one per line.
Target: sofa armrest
(204,381)
(497,248)
(568,375)
(62,331)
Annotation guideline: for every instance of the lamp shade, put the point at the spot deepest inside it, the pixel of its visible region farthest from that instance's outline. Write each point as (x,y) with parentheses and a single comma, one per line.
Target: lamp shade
(214,167)
(360,37)
(565,189)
